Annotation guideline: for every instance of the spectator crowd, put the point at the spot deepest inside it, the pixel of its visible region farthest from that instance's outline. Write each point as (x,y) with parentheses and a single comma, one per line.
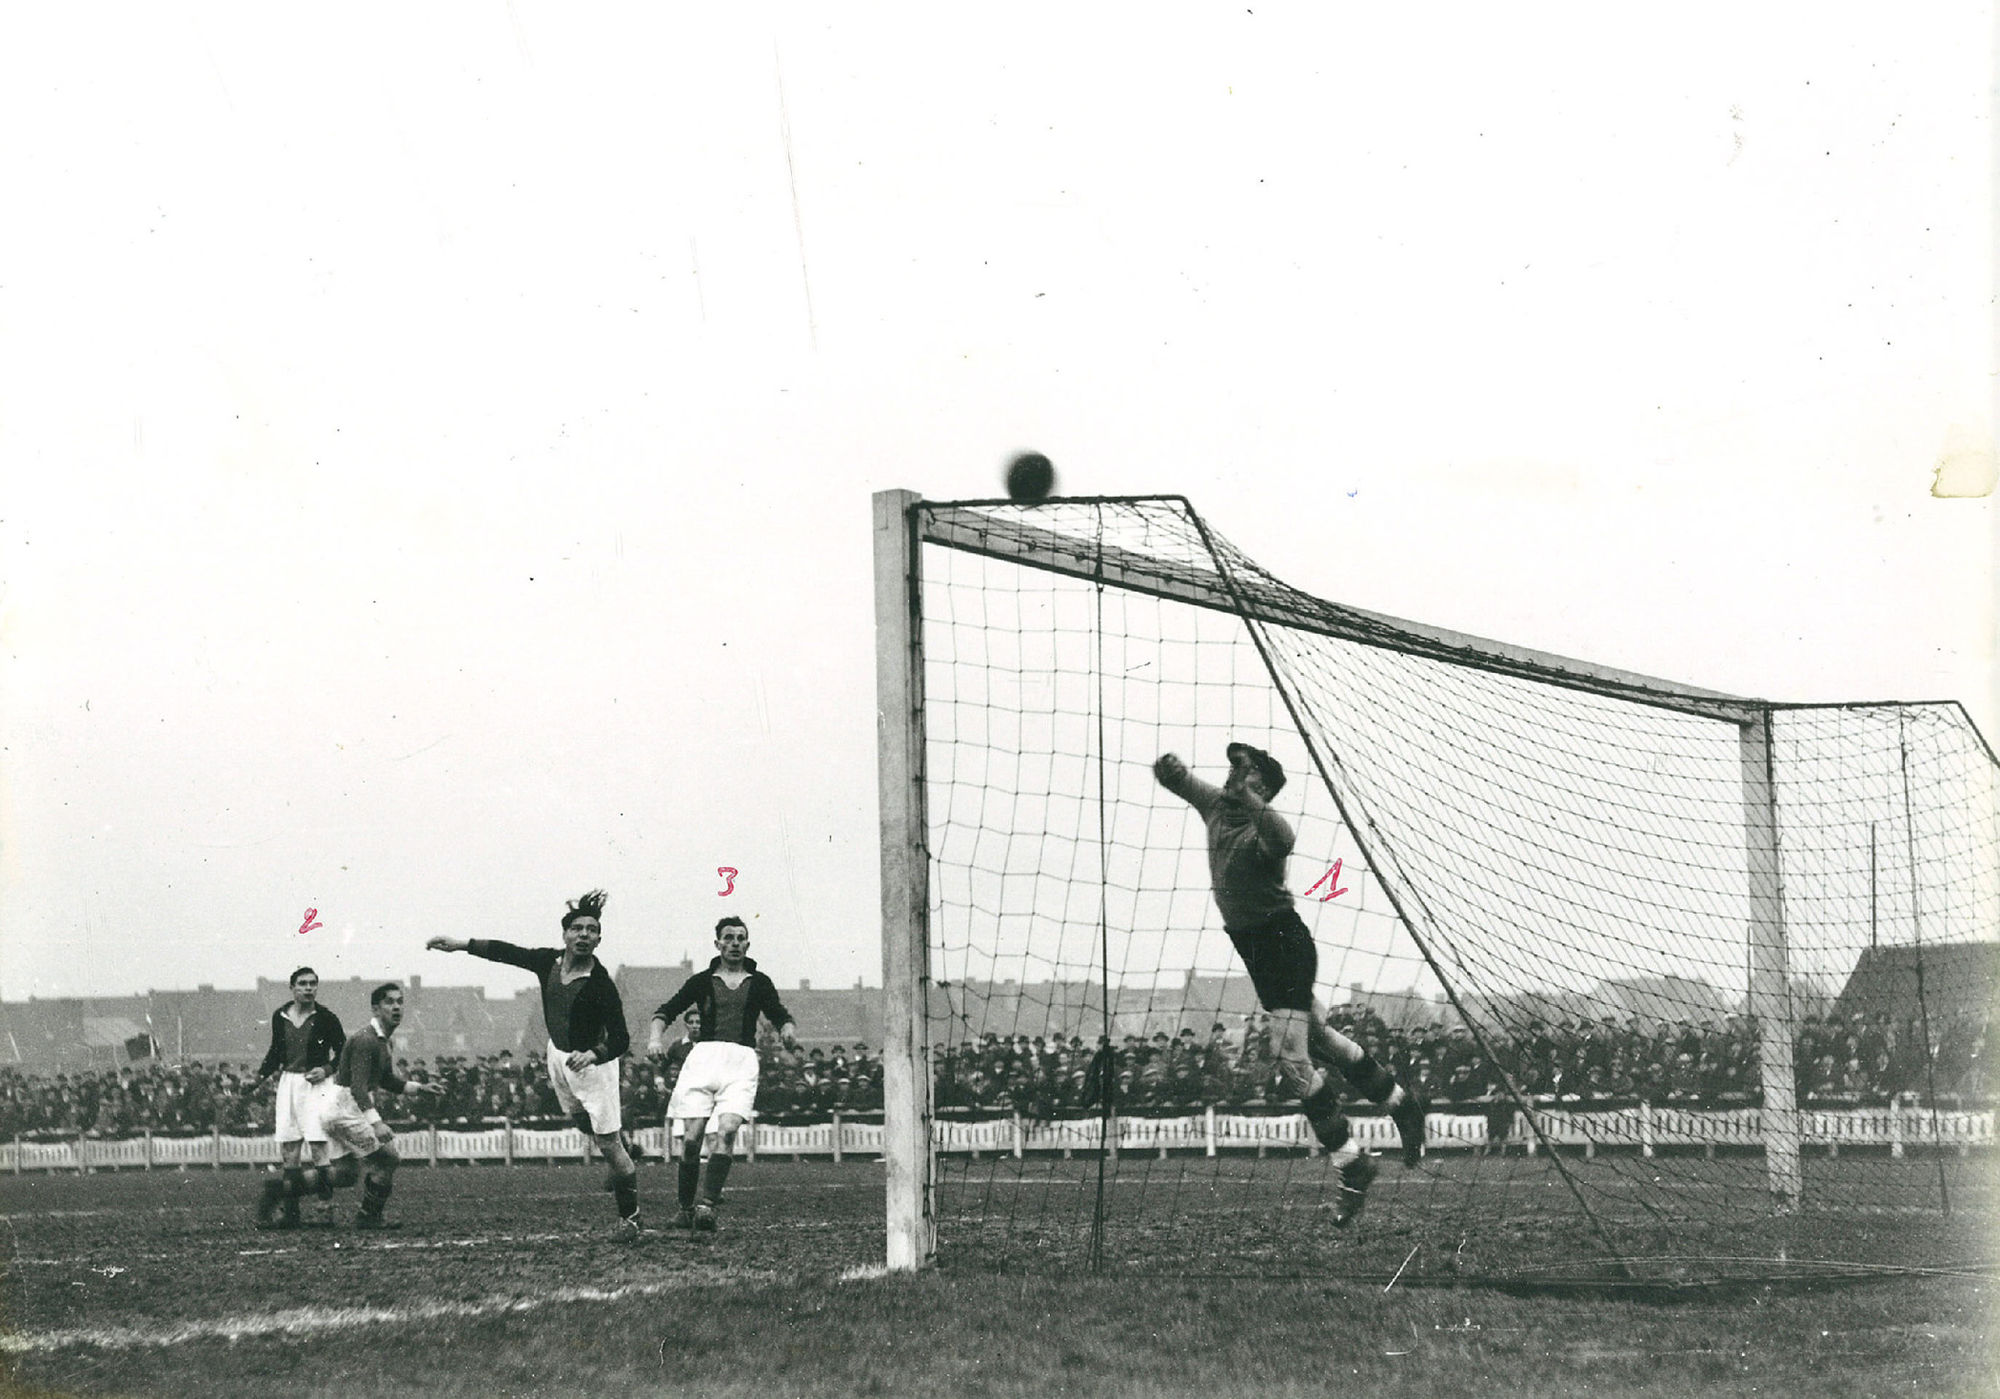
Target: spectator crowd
(1837,1061)
(189,1098)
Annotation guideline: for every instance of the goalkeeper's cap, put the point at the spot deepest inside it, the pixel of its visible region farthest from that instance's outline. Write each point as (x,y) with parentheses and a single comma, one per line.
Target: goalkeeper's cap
(1266,765)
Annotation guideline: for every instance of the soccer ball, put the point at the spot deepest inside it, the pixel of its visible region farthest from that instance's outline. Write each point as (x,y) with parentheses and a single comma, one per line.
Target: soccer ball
(1030,478)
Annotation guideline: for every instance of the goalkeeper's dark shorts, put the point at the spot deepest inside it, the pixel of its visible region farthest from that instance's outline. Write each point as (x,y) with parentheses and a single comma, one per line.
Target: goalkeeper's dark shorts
(1282,959)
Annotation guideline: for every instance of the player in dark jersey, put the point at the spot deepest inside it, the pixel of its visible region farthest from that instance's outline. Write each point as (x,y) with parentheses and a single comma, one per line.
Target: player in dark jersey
(306,1039)
(1248,844)
(717,1087)
(350,1114)
(587,1036)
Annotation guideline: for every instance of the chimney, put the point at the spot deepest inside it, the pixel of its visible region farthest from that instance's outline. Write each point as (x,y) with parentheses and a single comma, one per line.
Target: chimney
(805,985)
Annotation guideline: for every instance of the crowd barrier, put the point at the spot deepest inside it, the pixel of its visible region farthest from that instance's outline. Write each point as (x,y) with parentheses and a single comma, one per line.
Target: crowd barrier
(1644,1128)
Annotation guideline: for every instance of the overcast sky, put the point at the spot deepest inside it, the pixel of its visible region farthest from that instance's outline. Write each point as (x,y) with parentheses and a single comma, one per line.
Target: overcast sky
(437,442)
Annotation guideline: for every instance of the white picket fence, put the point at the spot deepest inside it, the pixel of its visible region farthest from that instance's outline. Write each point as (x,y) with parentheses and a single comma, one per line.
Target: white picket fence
(1643,1128)
(1903,1124)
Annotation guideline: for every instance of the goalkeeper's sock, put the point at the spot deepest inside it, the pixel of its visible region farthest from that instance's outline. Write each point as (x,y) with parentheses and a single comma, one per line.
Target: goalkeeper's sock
(689,1181)
(1324,1099)
(1370,1079)
(713,1173)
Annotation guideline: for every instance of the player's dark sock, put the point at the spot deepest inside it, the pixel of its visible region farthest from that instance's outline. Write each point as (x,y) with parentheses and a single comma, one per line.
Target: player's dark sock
(319,1179)
(625,1190)
(714,1172)
(690,1181)
(295,1186)
(269,1197)
(1369,1078)
(1330,1126)
(375,1188)
(343,1173)
(1323,1099)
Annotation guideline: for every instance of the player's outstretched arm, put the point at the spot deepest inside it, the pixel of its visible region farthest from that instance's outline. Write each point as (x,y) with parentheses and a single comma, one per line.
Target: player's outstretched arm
(1173,774)
(534,959)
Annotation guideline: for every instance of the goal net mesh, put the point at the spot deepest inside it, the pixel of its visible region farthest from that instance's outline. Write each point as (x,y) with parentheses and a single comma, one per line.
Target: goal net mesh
(1531,888)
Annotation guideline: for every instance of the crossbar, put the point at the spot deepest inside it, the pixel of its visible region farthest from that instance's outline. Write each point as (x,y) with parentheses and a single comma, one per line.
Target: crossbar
(975,528)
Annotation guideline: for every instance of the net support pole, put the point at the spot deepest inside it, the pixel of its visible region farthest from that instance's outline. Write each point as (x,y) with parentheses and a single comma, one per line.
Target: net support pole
(899,732)
(1770,972)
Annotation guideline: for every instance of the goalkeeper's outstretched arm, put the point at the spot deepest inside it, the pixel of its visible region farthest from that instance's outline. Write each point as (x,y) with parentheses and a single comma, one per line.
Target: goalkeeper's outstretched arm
(1173,774)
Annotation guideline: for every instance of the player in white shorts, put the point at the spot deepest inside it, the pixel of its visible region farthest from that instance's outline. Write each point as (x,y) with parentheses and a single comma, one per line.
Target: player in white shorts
(587,1036)
(349,1111)
(717,1089)
(306,1040)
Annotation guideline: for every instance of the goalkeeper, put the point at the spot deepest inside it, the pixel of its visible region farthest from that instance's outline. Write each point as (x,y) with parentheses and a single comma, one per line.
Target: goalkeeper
(1248,844)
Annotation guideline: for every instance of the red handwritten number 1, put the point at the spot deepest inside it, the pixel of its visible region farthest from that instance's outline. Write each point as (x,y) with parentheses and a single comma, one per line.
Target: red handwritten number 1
(1331,879)
(730,875)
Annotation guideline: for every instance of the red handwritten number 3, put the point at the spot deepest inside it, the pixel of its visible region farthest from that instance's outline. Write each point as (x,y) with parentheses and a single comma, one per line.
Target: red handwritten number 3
(730,875)
(1331,879)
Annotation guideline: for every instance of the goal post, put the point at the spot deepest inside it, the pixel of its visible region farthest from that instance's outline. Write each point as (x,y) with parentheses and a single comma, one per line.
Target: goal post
(1561,899)
(1770,978)
(899,729)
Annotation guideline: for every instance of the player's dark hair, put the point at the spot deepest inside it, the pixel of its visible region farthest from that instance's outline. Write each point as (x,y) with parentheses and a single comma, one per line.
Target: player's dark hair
(293,979)
(722,923)
(591,905)
(381,993)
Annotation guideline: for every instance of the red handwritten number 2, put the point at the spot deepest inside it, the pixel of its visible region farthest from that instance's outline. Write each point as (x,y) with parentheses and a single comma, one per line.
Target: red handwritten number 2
(1331,879)
(307,924)
(730,875)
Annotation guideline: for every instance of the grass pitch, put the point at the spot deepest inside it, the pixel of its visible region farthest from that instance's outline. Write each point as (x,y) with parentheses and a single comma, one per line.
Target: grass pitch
(506,1282)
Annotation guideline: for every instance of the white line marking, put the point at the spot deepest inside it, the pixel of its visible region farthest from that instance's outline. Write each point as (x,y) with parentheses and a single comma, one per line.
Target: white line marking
(311,1321)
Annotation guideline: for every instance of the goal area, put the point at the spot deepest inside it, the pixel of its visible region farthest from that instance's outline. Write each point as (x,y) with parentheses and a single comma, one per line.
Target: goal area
(1695,985)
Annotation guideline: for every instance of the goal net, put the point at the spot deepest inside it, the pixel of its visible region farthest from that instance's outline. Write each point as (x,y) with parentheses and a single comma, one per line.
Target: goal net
(1695,985)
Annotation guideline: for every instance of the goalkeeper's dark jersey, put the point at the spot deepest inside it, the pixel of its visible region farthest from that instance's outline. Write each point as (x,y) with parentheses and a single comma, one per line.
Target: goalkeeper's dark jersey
(1247,851)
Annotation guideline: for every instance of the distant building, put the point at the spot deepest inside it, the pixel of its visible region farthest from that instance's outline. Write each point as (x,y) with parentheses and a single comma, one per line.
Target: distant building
(1670,998)
(1957,981)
